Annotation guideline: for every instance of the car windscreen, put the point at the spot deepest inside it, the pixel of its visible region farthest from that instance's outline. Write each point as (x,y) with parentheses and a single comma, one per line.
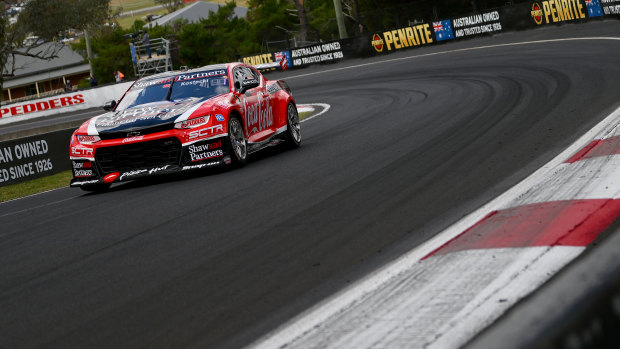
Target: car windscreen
(203,85)
(199,84)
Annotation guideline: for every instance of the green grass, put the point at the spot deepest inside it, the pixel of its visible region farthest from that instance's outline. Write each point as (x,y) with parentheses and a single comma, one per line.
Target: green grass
(138,6)
(132,5)
(127,21)
(34,186)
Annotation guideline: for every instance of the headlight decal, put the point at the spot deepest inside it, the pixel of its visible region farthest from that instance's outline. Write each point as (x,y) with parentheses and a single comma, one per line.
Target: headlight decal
(192,123)
(188,113)
(92,129)
(88,139)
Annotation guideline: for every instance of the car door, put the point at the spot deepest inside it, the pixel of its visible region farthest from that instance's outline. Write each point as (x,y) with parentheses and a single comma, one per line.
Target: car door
(257,106)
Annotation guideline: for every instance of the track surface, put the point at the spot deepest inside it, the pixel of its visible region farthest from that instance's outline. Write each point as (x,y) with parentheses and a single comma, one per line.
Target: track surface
(408,147)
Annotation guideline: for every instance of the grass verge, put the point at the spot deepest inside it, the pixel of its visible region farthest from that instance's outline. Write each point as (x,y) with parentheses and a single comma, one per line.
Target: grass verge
(304,115)
(139,8)
(34,186)
(127,22)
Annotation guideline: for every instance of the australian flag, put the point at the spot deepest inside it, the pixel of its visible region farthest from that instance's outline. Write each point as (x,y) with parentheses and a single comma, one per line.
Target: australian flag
(283,57)
(594,8)
(443,30)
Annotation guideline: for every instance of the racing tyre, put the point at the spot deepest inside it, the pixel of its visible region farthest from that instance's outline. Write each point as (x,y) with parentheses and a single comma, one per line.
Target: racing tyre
(237,144)
(96,188)
(293,127)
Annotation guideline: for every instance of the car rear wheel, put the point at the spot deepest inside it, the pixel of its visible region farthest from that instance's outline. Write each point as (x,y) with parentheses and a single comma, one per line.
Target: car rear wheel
(237,144)
(293,127)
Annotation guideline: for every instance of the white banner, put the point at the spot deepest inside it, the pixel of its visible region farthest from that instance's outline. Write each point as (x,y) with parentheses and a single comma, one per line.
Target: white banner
(63,103)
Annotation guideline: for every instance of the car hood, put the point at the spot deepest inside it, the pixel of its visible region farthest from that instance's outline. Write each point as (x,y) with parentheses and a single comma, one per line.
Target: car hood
(145,116)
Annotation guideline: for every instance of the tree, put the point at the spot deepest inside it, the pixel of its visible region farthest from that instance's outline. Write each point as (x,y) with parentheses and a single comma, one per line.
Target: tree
(113,53)
(220,38)
(303,20)
(171,5)
(270,19)
(48,20)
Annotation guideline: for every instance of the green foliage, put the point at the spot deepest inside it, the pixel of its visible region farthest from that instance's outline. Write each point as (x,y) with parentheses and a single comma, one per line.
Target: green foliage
(48,19)
(195,45)
(267,17)
(222,37)
(111,54)
(322,19)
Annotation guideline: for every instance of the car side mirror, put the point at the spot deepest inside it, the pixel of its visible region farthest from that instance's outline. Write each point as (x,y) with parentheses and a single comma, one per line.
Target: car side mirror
(248,84)
(109,105)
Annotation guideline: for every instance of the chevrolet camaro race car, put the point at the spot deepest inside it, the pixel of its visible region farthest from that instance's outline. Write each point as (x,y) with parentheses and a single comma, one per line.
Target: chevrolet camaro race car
(184,120)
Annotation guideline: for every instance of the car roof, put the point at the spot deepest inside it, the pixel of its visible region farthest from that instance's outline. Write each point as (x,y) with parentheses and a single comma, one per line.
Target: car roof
(177,72)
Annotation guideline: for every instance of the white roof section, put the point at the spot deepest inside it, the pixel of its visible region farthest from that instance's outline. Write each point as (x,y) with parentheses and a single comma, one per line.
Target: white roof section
(28,70)
(48,75)
(193,14)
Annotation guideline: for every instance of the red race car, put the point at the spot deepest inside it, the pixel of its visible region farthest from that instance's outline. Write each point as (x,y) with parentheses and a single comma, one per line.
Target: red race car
(184,120)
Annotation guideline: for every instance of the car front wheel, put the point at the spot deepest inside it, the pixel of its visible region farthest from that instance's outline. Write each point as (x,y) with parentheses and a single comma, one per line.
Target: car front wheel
(237,144)
(293,126)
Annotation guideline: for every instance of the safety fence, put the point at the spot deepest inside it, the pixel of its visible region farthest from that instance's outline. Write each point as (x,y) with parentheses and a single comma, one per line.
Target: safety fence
(508,18)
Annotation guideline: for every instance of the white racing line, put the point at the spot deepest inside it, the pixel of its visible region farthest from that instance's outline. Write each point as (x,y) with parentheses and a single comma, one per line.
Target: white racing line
(423,300)
(310,108)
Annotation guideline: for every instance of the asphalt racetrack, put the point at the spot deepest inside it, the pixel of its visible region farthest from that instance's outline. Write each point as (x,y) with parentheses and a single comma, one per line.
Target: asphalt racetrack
(413,142)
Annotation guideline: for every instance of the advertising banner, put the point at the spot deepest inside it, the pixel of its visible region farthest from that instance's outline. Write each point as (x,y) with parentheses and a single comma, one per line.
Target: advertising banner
(610,7)
(270,61)
(33,157)
(41,105)
(91,98)
(477,24)
(325,52)
(425,34)
(406,37)
(557,11)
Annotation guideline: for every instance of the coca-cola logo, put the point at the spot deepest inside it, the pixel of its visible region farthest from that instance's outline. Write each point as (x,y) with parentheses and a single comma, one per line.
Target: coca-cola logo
(133,139)
(259,115)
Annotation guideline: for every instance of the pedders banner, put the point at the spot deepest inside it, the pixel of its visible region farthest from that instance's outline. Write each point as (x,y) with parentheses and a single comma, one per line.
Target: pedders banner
(79,100)
(42,105)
